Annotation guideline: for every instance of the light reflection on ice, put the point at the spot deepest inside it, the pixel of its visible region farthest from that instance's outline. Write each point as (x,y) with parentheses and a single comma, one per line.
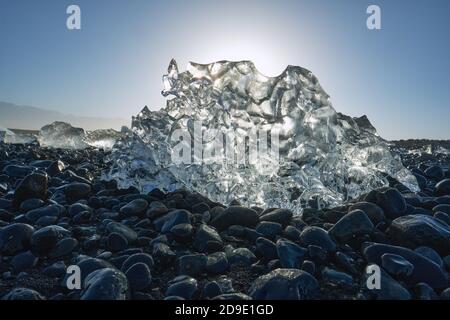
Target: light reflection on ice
(325,157)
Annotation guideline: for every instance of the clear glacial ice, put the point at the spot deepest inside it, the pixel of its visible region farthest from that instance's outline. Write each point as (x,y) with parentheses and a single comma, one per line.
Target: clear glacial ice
(63,135)
(16,136)
(325,157)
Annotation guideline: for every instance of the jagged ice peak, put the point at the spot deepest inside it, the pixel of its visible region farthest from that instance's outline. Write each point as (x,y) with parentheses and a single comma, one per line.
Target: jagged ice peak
(313,155)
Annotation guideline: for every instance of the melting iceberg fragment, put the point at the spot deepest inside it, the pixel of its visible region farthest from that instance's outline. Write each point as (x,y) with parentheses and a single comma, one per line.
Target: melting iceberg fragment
(17,136)
(324,157)
(62,135)
(65,136)
(102,138)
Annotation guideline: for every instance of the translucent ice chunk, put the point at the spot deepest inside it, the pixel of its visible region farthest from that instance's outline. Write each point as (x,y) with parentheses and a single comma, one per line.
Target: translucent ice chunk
(17,136)
(324,159)
(63,135)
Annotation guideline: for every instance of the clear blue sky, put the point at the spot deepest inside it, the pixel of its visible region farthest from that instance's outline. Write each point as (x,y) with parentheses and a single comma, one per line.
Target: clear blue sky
(399,76)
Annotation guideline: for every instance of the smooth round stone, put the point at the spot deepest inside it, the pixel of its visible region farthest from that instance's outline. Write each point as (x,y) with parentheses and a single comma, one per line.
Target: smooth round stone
(31,204)
(309,266)
(155,210)
(200,208)
(217,263)
(6,204)
(435,172)
(88,265)
(374,212)
(311,215)
(443,199)
(284,284)
(56,270)
(77,190)
(192,264)
(139,276)
(105,255)
(125,231)
(132,251)
(292,233)
(446,261)
(182,286)
(53,210)
(144,258)
(109,216)
(421,211)
(78,208)
(156,193)
(392,202)
(182,232)
(55,168)
(333,276)
(144,223)
(430,254)
(318,237)
(269,229)
(267,248)
(417,171)
(409,209)
(171,219)
(136,207)
(290,254)
(116,242)
(423,291)
(445,294)
(216,211)
(63,248)
(45,239)
(5,217)
(162,253)
(105,284)
(241,256)
(298,223)
(15,237)
(82,218)
(118,261)
(442,216)
(46,221)
(421,180)
(211,290)
(23,261)
(203,235)
(443,187)
(3,155)
(17,171)
(235,215)
(396,265)
(429,203)
(424,270)
(236,231)
(3,187)
(442,208)
(206,217)
(23,294)
(413,231)
(282,216)
(41,164)
(389,288)
(354,223)
(32,186)
(251,234)
(317,254)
